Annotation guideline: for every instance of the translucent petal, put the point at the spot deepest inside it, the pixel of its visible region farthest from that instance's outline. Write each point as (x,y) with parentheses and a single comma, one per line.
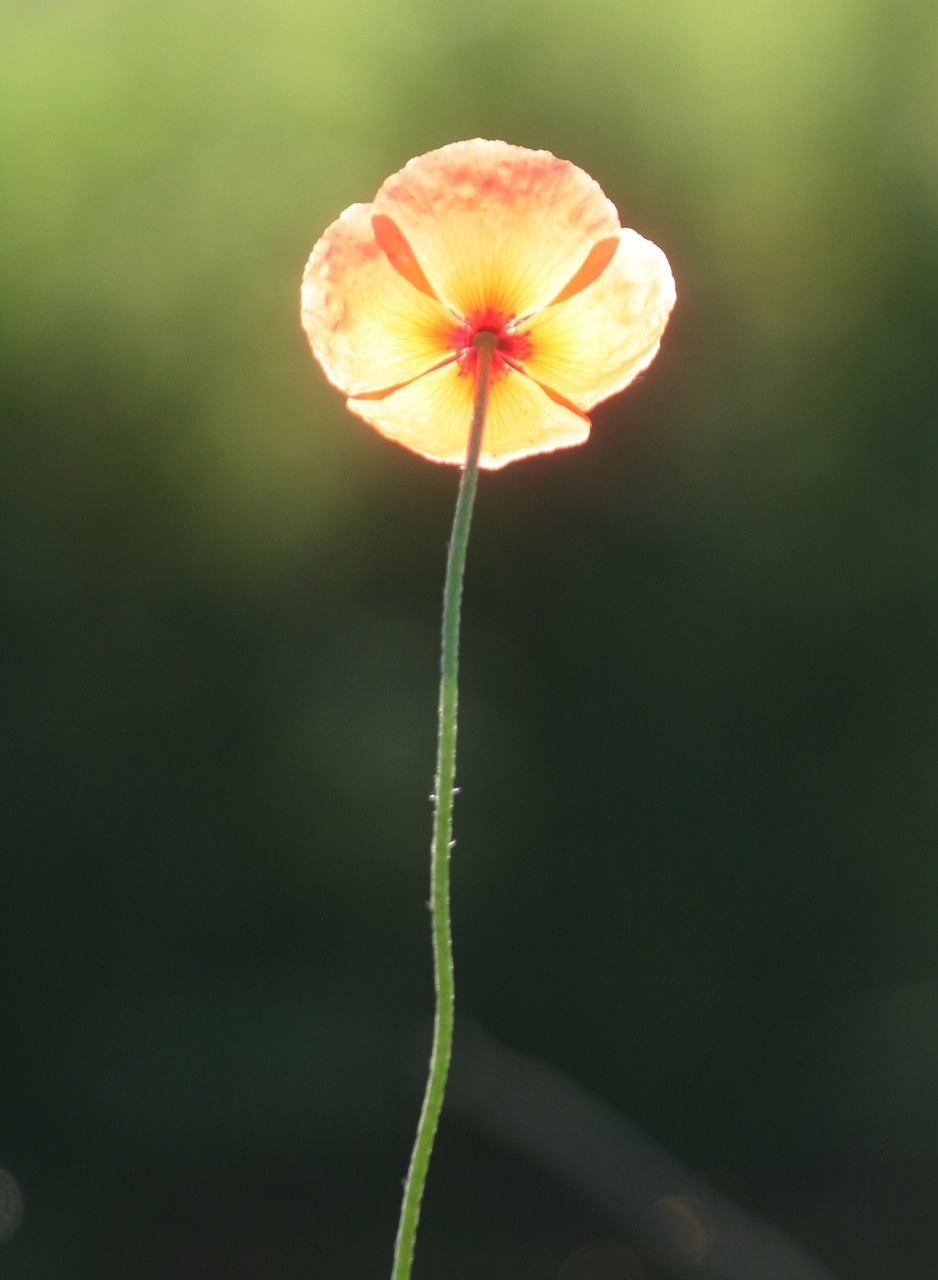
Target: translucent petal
(594,264)
(496,226)
(431,415)
(594,343)
(369,326)
(399,253)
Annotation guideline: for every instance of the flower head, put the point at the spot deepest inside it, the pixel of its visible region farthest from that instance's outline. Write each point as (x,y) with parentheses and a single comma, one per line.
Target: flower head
(484,236)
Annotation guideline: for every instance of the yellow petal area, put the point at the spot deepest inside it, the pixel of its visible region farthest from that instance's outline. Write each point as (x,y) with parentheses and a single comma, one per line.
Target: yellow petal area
(496,226)
(431,416)
(594,343)
(369,326)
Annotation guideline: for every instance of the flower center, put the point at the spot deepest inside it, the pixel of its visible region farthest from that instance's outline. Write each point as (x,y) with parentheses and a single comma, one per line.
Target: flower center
(513,345)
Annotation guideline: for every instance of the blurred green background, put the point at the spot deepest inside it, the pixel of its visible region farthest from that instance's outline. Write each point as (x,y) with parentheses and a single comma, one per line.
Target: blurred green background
(697,840)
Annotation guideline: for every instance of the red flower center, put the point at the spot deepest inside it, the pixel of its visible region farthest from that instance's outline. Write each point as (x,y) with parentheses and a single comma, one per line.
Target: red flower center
(513,345)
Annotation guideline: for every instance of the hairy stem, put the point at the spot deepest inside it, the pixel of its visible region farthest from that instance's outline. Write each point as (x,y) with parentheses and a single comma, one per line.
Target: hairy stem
(441,844)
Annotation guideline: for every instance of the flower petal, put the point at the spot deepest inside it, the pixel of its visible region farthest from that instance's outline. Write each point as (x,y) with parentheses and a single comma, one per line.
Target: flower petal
(399,253)
(431,415)
(497,226)
(594,264)
(369,326)
(594,343)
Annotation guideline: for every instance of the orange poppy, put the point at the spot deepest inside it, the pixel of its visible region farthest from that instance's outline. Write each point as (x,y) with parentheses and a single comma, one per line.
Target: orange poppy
(484,236)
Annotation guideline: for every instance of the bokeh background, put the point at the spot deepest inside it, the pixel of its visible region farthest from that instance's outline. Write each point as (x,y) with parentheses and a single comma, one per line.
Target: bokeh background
(697,840)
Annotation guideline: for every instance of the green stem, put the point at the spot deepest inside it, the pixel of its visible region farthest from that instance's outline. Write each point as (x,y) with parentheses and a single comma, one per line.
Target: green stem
(441,1051)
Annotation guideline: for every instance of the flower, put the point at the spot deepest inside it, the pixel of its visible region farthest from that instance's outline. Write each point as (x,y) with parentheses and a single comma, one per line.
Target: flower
(477,236)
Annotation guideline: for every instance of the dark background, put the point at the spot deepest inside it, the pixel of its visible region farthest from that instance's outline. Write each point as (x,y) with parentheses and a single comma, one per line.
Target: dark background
(697,858)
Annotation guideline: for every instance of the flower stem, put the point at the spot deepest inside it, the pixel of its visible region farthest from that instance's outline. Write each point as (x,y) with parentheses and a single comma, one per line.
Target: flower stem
(442,841)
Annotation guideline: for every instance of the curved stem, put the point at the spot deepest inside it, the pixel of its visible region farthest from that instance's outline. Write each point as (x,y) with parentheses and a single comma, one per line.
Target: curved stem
(441,1051)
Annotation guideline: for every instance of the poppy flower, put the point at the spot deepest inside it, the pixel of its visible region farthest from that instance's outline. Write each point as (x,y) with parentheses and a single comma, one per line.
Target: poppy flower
(483,235)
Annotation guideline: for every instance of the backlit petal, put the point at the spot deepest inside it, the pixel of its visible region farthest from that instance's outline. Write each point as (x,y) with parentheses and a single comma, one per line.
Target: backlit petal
(432,414)
(369,326)
(594,343)
(497,226)
(594,264)
(399,253)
